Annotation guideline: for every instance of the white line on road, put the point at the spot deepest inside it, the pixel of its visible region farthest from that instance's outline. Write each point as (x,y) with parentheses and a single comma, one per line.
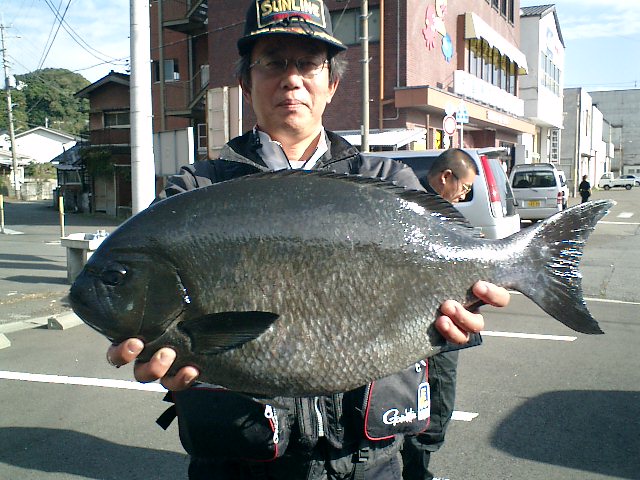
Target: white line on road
(625,215)
(619,223)
(463,416)
(85,381)
(531,336)
(129,385)
(594,299)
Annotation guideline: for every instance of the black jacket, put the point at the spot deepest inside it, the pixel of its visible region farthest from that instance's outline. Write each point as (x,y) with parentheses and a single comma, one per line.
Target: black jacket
(340,418)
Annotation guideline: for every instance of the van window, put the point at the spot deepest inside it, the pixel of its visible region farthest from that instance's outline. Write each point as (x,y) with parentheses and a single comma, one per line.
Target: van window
(533,180)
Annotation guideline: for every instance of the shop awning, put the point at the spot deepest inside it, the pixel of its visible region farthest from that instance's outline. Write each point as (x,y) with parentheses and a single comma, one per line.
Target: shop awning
(475,27)
(394,138)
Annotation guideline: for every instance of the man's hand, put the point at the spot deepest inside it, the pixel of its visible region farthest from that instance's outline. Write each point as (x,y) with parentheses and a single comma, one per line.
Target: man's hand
(456,323)
(154,369)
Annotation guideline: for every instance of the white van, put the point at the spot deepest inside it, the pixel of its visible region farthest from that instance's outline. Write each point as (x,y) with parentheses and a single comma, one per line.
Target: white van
(489,206)
(540,190)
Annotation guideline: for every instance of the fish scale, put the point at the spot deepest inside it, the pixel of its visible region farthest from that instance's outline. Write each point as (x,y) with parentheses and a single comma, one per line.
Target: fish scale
(301,283)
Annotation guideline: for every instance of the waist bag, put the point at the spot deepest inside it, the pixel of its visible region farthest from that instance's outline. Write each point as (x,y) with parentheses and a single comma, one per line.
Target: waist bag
(216,423)
(398,404)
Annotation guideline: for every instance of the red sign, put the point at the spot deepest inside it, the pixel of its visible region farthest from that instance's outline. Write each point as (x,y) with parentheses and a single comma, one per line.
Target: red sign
(449,125)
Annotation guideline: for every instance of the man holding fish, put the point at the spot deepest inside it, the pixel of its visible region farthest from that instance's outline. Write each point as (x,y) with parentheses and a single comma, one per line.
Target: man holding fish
(289,70)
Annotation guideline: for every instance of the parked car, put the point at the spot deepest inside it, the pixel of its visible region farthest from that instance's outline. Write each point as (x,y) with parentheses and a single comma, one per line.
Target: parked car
(489,206)
(540,190)
(608,181)
(635,178)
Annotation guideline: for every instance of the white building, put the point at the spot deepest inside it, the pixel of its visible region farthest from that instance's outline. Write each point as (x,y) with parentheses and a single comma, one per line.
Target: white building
(541,89)
(585,139)
(620,108)
(41,144)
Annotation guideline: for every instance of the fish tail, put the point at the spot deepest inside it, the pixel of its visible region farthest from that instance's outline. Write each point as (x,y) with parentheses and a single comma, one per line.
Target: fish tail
(548,273)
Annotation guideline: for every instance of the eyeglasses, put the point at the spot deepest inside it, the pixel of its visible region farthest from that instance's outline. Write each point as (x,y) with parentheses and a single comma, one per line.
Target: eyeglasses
(466,187)
(308,67)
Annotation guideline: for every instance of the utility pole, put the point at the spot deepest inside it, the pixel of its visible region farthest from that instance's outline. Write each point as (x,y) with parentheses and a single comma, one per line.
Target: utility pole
(143,183)
(12,135)
(364,41)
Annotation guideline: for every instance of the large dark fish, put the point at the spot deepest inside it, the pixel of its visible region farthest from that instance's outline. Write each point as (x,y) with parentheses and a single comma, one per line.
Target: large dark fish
(297,283)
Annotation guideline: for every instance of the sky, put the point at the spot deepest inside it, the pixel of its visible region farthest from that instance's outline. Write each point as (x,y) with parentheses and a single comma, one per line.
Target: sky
(602,38)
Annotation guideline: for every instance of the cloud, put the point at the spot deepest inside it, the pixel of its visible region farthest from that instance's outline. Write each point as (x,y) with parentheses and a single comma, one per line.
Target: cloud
(588,19)
(101,30)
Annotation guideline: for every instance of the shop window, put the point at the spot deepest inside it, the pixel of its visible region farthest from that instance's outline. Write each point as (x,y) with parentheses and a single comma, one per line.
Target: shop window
(488,64)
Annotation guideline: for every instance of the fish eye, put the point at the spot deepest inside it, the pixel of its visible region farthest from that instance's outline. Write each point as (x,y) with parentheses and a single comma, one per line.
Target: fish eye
(113,274)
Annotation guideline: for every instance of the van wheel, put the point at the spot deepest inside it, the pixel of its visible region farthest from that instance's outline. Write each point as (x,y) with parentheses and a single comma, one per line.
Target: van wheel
(628,187)
(607,187)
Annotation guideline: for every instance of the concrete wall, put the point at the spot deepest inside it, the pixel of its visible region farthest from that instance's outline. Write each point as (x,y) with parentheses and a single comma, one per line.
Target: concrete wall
(620,109)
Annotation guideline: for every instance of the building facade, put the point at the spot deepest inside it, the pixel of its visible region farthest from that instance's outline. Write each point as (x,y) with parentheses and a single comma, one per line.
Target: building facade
(586,143)
(541,89)
(428,59)
(620,108)
(106,158)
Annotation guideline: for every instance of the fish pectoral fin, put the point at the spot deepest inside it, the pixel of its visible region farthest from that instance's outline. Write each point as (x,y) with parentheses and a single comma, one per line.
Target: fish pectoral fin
(218,332)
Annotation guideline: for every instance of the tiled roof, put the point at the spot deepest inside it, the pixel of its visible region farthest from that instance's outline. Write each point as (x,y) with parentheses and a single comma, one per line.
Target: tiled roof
(535,10)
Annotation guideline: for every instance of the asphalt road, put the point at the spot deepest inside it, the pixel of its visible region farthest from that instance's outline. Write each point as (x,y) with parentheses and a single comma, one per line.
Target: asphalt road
(33,265)
(560,406)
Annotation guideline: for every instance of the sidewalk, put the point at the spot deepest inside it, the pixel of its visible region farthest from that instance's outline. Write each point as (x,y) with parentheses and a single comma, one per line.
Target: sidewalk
(33,264)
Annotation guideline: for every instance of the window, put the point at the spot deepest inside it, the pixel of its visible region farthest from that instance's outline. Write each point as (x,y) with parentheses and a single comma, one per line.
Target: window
(202,137)
(116,119)
(510,14)
(488,64)
(171,72)
(550,73)
(555,146)
(495,4)
(503,7)
(346,25)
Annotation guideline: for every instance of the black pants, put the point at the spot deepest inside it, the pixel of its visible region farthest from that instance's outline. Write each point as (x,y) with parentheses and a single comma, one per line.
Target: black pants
(321,463)
(416,450)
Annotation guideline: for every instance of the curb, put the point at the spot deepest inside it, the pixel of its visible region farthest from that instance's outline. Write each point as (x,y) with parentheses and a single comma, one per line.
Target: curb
(61,321)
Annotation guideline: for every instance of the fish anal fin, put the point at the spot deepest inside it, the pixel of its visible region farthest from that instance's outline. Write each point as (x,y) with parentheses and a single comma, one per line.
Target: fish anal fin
(218,332)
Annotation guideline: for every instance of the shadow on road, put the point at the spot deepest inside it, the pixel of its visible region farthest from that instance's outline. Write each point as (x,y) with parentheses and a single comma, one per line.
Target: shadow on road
(74,453)
(594,431)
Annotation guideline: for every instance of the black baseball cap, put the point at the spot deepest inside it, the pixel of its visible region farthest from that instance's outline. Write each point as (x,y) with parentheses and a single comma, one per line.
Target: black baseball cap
(306,18)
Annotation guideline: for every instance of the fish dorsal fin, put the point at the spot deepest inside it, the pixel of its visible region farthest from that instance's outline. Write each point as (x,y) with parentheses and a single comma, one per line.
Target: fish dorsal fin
(218,332)
(432,203)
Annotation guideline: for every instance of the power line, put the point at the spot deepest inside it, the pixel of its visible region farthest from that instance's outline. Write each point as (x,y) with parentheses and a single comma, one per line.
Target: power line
(76,37)
(47,50)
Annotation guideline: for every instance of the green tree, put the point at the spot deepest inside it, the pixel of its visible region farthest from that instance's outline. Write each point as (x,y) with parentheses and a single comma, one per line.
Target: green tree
(20,120)
(48,98)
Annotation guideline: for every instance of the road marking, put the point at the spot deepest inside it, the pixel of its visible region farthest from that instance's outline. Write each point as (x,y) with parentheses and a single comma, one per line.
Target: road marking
(618,223)
(84,381)
(8,231)
(463,416)
(129,385)
(531,336)
(594,299)
(625,215)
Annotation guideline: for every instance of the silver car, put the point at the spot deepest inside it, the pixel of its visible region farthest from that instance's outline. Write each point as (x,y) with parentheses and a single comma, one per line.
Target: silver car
(539,189)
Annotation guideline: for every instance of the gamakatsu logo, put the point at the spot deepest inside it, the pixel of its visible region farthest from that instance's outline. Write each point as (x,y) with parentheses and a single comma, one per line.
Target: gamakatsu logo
(393,417)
